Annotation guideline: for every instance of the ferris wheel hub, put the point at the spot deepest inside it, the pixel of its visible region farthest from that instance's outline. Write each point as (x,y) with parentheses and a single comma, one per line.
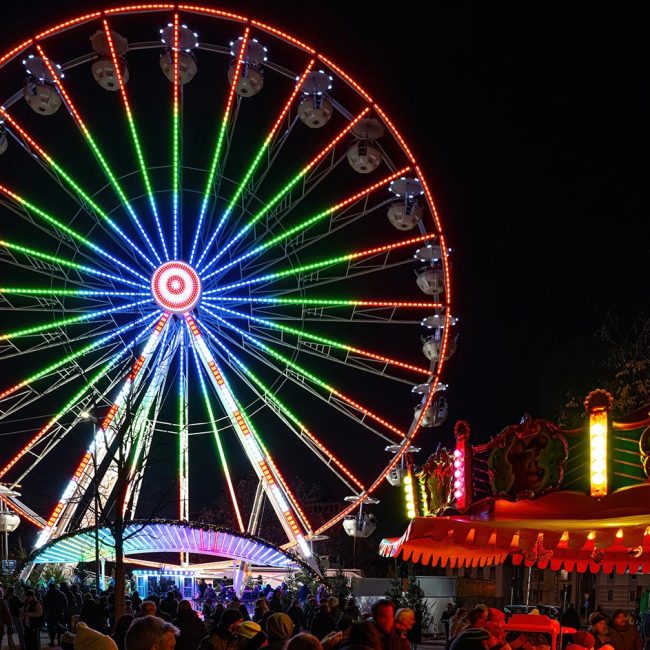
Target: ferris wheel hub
(176,287)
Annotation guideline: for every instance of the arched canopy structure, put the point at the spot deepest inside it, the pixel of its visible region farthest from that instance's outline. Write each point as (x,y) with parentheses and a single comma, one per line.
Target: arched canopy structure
(157,536)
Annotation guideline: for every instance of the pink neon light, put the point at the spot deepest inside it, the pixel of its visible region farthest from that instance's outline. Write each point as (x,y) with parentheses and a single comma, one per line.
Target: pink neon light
(176,287)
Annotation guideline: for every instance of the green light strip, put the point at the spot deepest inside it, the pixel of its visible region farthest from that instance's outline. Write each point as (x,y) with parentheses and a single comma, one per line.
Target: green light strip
(27,331)
(63,262)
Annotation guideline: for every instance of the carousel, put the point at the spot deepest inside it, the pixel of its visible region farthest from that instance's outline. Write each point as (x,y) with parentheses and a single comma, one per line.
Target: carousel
(543,496)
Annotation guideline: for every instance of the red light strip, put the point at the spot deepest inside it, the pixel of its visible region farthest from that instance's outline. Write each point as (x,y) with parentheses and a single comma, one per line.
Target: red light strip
(389,247)
(396,133)
(213,12)
(290,101)
(68,23)
(283,36)
(16,50)
(349,79)
(142,7)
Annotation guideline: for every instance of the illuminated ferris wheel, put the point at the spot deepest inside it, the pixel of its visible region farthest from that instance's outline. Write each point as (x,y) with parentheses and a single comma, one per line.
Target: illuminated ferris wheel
(210,234)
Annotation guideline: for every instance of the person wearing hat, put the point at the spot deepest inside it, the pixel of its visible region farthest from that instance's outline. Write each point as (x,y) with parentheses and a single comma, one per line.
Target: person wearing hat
(279,628)
(598,628)
(86,638)
(472,638)
(222,635)
(250,636)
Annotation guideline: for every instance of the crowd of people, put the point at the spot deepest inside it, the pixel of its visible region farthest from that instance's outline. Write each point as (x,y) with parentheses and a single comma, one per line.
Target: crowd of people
(483,628)
(277,619)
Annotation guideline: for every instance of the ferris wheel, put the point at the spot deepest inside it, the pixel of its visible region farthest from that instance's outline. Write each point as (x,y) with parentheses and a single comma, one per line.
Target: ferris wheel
(213,235)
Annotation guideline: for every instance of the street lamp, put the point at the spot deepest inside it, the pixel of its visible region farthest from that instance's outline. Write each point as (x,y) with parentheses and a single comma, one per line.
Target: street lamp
(87,416)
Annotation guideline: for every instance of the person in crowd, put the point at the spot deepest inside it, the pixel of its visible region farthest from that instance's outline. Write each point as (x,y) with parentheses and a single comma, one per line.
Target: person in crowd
(582,641)
(86,638)
(120,629)
(147,608)
(250,636)
(135,600)
(169,605)
(243,610)
(383,617)
(222,635)
(446,617)
(208,606)
(458,623)
(55,605)
(14,604)
(323,622)
(279,628)
(362,635)
(304,641)
(68,637)
(217,613)
(191,627)
(6,622)
(472,638)
(150,633)
(622,635)
(296,614)
(406,625)
(571,617)
(352,610)
(275,602)
(33,620)
(598,628)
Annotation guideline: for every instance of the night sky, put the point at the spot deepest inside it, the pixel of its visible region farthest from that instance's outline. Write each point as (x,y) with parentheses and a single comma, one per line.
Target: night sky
(528,121)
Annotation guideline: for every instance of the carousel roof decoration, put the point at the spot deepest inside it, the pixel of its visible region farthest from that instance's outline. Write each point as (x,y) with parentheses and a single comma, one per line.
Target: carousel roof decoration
(546,497)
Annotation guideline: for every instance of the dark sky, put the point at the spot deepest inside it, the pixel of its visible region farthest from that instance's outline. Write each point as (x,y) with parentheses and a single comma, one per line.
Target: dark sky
(528,120)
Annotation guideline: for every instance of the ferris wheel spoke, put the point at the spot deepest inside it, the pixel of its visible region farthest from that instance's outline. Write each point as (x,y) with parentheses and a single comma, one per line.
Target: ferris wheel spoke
(67,263)
(66,506)
(52,221)
(176,136)
(72,356)
(183,431)
(256,160)
(84,199)
(305,224)
(79,293)
(298,380)
(217,437)
(314,266)
(209,186)
(134,135)
(98,155)
(306,374)
(58,431)
(283,192)
(72,320)
(74,400)
(282,411)
(29,396)
(276,489)
(328,342)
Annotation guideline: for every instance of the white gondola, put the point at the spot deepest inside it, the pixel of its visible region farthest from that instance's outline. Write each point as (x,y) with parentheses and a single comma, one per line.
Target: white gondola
(103,69)
(38,90)
(187,65)
(361,525)
(430,281)
(435,415)
(404,214)
(251,76)
(315,109)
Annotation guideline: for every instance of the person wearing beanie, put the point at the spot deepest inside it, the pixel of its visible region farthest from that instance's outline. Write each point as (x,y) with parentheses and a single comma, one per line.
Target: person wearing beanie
(472,638)
(279,628)
(250,636)
(598,628)
(86,638)
(304,641)
(622,635)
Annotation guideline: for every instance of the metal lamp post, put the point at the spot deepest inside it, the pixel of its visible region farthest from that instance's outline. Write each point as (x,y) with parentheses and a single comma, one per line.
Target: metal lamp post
(89,417)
